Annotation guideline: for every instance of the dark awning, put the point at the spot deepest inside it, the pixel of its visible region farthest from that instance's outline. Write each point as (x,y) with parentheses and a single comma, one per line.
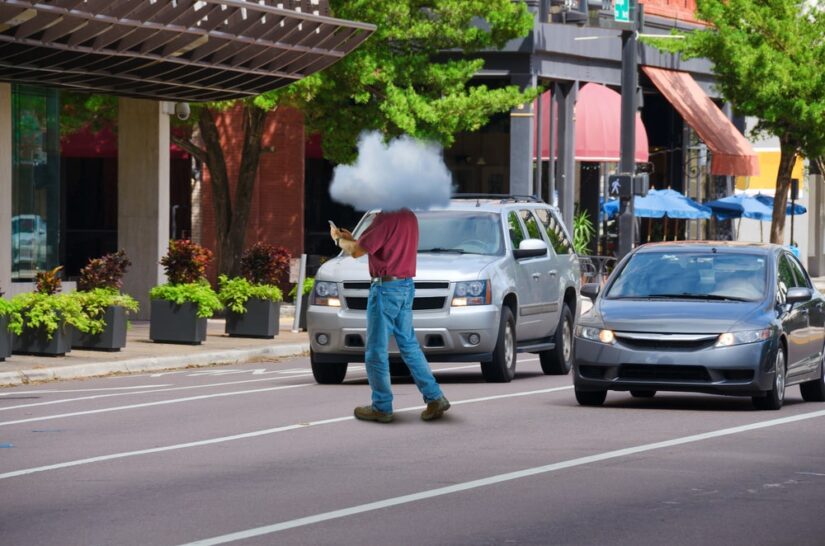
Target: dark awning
(183,50)
(733,155)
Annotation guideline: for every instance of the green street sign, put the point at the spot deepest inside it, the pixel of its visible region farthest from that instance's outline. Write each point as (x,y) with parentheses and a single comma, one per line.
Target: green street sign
(621,11)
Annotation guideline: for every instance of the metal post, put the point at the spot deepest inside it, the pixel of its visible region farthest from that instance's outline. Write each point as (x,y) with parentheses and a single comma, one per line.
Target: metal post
(539,142)
(299,294)
(627,160)
(551,146)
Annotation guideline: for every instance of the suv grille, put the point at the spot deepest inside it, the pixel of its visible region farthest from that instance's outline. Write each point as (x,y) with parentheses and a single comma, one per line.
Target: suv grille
(420,285)
(419,304)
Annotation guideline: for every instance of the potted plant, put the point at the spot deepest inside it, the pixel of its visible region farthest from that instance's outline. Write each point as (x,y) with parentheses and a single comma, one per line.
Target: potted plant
(181,306)
(306,290)
(105,306)
(253,299)
(46,317)
(9,319)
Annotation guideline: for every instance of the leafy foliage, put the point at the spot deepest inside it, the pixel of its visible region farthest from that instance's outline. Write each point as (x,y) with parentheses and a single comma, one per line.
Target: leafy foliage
(95,301)
(583,231)
(12,312)
(235,292)
(185,262)
(104,272)
(199,293)
(263,263)
(309,283)
(48,282)
(48,312)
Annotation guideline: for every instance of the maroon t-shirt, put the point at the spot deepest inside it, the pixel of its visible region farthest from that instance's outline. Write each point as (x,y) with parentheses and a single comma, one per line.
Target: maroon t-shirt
(392,243)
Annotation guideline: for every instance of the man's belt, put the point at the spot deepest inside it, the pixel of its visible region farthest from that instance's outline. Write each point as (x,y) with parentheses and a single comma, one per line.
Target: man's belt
(388,278)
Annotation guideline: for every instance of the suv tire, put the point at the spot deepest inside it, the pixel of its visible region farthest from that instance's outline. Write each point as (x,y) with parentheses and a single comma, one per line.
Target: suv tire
(502,368)
(327,373)
(559,360)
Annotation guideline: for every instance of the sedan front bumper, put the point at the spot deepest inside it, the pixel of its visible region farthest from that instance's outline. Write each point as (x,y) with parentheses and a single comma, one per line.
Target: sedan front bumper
(741,370)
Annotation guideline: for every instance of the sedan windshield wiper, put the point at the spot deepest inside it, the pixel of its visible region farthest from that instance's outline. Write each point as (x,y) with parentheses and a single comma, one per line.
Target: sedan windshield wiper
(687,296)
(445,250)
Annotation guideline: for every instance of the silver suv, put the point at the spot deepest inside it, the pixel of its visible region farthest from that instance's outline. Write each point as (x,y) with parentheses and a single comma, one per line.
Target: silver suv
(494,277)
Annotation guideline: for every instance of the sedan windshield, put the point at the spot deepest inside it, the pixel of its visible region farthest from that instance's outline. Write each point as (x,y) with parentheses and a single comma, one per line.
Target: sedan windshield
(711,276)
(454,232)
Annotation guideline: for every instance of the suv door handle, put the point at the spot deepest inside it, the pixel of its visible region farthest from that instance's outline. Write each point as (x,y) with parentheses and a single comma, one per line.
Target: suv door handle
(536,276)
(553,273)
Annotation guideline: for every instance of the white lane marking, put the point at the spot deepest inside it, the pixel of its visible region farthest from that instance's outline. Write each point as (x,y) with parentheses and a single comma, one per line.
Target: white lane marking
(148,404)
(493,480)
(245,435)
(188,387)
(14,393)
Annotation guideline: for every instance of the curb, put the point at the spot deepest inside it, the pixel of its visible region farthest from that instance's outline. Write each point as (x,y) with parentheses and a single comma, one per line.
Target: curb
(135,365)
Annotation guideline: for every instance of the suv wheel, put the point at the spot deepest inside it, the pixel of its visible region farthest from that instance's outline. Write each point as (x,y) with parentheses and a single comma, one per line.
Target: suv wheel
(327,373)
(559,361)
(502,368)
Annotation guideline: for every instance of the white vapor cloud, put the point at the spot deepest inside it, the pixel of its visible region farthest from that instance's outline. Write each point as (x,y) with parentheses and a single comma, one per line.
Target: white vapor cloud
(404,173)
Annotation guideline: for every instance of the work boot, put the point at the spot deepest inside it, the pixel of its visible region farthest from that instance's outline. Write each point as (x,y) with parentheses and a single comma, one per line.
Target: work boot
(435,409)
(369,413)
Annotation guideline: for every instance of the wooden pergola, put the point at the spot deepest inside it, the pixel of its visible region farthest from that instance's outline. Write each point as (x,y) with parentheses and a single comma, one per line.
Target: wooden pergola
(179,50)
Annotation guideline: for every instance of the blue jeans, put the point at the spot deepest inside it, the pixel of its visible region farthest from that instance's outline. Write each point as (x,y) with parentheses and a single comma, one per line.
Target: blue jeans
(389,311)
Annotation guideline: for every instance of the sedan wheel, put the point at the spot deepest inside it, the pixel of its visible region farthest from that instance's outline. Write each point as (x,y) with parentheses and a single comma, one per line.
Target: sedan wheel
(590,398)
(814,391)
(774,398)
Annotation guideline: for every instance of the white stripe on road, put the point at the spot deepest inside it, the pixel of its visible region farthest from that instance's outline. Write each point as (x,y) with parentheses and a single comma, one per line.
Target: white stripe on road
(59,391)
(245,435)
(148,404)
(493,480)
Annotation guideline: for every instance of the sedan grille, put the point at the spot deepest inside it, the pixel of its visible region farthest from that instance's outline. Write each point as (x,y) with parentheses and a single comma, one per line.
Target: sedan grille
(658,372)
(665,342)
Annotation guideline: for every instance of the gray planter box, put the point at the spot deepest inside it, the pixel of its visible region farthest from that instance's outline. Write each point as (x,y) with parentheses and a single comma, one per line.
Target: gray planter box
(5,339)
(173,323)
(113,336)
(260,320)
(35,341)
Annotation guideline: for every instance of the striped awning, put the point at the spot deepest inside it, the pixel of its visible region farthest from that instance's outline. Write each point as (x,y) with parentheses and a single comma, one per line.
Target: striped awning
(182,50)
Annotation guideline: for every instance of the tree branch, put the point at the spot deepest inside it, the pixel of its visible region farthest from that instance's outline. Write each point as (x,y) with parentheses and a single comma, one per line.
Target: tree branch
(187,145)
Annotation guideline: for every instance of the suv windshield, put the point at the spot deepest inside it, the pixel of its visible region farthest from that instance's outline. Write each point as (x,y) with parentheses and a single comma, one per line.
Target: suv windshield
(714,276)
(454,231)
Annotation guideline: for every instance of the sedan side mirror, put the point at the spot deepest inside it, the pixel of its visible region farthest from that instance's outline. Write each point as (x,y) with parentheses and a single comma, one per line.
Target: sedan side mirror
(530,248)
(798,294)
(591,290)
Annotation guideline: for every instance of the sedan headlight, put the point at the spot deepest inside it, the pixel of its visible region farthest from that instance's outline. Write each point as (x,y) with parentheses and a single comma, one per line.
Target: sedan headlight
(745,336)
(596,334)
(326,293)
(472,293)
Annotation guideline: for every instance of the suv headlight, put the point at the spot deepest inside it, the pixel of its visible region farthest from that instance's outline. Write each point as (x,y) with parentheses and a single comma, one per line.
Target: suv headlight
(326,293)
(472,293)
(596,334)
(745,336)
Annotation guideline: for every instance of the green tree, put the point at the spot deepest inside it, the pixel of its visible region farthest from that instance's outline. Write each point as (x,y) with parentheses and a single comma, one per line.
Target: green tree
(768,57)
(411,77)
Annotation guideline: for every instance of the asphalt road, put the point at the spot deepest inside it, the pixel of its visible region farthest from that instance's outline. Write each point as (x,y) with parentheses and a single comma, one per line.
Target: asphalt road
(259,454)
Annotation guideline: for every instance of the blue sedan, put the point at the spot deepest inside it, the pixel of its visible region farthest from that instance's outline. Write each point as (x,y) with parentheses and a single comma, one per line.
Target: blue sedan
(716,317)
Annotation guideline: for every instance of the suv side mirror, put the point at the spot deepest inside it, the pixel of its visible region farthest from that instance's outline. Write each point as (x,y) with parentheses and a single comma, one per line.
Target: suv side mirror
(590,290)
(530,248)
(798,294)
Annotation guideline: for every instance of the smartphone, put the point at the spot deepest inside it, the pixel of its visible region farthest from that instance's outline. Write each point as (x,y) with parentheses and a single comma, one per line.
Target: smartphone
(332,224)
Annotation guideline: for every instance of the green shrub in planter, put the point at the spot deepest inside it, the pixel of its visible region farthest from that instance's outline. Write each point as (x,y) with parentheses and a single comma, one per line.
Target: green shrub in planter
(10,319)
(181,306)
(253,310)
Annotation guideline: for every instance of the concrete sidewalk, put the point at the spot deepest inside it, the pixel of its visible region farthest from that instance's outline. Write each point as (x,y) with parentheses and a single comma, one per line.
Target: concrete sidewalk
(142,355)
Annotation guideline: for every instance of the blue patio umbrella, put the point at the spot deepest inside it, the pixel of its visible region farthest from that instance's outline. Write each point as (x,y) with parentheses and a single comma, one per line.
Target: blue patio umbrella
(662,203)
(742,205)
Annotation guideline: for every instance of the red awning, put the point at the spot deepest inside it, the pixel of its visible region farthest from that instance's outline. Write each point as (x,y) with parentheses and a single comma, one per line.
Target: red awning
(733,155)
(598,126)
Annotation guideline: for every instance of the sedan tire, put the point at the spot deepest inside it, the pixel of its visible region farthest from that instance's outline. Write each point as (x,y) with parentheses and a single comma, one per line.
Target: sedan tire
(774,398)
(814,391)
(502,368)
(327,373)
(590,398)
(559,360)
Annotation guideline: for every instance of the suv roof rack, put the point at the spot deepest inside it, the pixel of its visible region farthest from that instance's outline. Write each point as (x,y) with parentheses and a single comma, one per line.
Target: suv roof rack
(504,197)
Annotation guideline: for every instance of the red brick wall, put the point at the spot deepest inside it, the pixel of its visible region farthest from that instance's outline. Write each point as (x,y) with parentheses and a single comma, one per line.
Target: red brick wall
(277,212)
(682,10)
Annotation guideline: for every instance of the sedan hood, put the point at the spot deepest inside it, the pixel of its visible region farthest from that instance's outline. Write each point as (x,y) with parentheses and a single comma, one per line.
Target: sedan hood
(679,316)
(431,267)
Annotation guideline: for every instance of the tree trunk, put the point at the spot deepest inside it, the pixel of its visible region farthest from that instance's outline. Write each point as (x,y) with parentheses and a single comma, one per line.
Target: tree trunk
(231,215)
(783,184)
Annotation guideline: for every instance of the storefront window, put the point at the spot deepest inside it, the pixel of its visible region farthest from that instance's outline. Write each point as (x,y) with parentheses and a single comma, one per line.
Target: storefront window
(35,181)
